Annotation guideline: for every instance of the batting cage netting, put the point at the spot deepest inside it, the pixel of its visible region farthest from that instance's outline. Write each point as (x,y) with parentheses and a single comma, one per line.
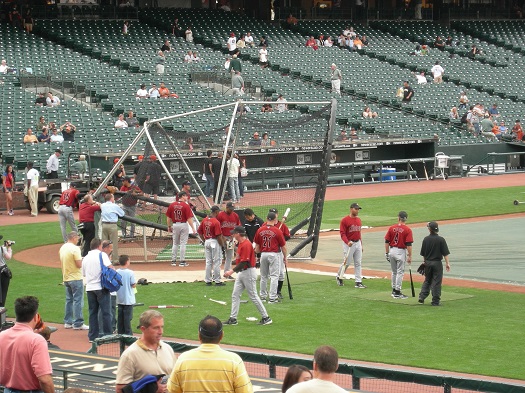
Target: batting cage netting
(284,160)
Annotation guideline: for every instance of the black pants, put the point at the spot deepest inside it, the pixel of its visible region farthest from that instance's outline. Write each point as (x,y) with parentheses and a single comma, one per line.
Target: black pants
(4,286)
(433,280)
(52,175)
(89,234)
(125,315)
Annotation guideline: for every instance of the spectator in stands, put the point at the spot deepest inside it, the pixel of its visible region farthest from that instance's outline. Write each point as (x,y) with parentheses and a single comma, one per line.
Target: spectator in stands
(176,29)
(131,120)
(517,131)
(503,129)
(188,144)
(263,41)
(494,111)
(417,9)
(41,124)
(496,131)
(281,104)
(241,43)
(421,78)
(341,41)
(142,92)
(358,44)
(486,127)
(463,100)
(40,100)
(153,92)
(266,108)
(237,84)
(335,77)
(249,39)
(56,137)
(328,42)
(291,20)
(437,72)
(408,92)
(417,50)
(265,141)
(263,57)
(161,59)
(29,137)
(439,44)
(28,21)
(342,136)
(350,43)
(52,100)
(121,123)
(188,34)
(14,17)
(424,50)
(163,91)
(295,374)
(232,44)
(473,52)
(453,115)
(195,57)
(364,40)
(353,133)
(235,64)
(44,137)
(68,131)
(149,355)
(125,27)
(368,113)
(188,57)
(326,362)
(166,47)
(319,41)
(80,167)
(448,41)
(227,64)
(255,141)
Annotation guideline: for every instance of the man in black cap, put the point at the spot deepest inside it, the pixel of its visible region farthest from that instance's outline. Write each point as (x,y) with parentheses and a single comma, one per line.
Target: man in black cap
(52,164)
(179,221)
(210,233)
(229,220)
(433,250)
(350,231)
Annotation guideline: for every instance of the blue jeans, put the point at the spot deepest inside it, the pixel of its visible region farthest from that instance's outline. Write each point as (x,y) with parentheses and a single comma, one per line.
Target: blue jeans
(129,211)
(210,183)
(112,311)
(125,315)
(235,194)
(99,299)
(74,303)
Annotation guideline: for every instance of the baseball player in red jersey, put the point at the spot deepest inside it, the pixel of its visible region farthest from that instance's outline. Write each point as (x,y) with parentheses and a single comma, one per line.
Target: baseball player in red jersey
(398,250)
(229,220)
(179,216)
(350,231)
(246,278)
(68,201)
(210,233)
(286,232)
(269,241)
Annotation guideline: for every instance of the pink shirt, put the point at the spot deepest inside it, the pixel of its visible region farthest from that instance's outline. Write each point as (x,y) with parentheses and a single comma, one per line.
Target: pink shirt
(24,357)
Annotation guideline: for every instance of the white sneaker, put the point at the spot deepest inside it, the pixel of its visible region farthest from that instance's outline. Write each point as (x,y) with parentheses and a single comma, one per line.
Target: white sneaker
(68,326)
(83,327)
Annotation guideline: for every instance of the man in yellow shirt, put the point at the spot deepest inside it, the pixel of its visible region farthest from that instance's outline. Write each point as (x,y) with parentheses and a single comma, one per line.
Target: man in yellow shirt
(71,262)
(209,368)
(29,137)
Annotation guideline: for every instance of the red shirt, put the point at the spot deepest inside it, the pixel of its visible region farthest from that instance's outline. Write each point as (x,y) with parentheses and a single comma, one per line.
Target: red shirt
(69,197)
(284,229)
(269,238)
(350,229)
(179,212)
(399,236)
(8,180)
(210,228)
(129,199)
(86,212)
(228,222)
(245,253)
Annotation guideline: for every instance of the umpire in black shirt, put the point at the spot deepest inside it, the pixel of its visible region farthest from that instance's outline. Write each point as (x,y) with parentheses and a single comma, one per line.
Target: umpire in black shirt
(433,250)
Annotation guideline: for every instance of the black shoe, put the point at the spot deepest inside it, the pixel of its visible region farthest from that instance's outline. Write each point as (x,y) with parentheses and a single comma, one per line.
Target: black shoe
(436,304)
(339,281)
(279,295)
(173,263)
(208,284)
(184,264)
(220,284)
(420,301)
(400,295)
(360,285)
(230,321)
(265,321)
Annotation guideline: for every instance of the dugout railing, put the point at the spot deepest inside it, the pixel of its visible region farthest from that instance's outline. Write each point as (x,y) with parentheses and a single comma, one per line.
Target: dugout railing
(349,376)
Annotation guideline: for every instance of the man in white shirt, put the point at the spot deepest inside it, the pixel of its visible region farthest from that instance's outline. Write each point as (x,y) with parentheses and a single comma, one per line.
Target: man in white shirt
(56,137)
(52,164)
(233,179)
(4,68)
(437,72)
(326,363)
(121,123)
(52,100)
(232,44)
(154,91)
(188,57)
(421,79)
(281,104)
(263,57)
(33,177)
(142,92)
(249,39)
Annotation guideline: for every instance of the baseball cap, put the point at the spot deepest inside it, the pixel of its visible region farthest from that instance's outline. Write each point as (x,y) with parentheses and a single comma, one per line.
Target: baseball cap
(239,229)
(215,208)
(433,226)
(273,210)
(153,157)
(355,206)
(402,214)
(141,157)
(230,205)
(186,183)
(182,194)
(271,216)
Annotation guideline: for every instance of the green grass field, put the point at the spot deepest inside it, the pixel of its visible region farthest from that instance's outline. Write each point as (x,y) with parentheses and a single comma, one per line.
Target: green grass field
(476,331)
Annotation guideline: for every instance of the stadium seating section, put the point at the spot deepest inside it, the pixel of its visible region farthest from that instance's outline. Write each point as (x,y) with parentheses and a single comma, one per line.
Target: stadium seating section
(109,67)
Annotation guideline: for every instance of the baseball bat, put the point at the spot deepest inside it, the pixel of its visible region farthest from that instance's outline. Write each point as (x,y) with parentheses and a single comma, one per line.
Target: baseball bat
(411,283)
(170,306)
(218,301)
(425,168)
(288,282)
(341,268)
(138,304)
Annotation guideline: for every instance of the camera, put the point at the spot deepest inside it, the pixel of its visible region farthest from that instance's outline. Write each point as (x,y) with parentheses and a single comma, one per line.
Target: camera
(9,243)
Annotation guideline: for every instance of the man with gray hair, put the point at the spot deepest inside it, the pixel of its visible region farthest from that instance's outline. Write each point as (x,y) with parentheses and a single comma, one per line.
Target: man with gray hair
(237,84)
(398,250)
(149,355)
(335,77)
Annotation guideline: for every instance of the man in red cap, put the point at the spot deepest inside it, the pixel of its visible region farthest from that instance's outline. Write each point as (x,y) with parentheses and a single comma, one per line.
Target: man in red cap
(232,44)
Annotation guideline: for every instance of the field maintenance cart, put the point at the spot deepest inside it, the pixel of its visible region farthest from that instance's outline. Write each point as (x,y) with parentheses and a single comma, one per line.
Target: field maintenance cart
(441,162)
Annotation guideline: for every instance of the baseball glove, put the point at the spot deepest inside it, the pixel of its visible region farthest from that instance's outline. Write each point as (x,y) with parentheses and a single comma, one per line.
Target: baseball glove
(421,269)
(112,189)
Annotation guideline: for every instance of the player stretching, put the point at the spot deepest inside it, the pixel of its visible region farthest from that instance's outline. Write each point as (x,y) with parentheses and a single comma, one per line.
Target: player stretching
(398,250)
(350,230)
(246,278)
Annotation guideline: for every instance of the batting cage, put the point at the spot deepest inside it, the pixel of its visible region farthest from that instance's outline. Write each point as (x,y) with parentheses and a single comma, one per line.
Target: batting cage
(174,150)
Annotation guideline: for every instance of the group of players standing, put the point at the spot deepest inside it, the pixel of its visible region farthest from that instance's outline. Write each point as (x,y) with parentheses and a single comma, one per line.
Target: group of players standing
(259,245)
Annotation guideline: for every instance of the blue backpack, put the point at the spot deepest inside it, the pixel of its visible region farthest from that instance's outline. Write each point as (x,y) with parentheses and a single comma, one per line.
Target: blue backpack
(110,279)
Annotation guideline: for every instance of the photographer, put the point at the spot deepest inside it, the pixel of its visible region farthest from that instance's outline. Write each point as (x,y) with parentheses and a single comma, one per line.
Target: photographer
(5,274)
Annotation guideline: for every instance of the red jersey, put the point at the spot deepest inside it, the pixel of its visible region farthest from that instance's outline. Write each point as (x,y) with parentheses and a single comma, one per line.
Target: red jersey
(9,180)
(399,236)
(350,229)
(129,199)
(269,238)
(86,212)
(179,212)
(284,229)
(69,197)
(245,253)
(210,228)
(228,222)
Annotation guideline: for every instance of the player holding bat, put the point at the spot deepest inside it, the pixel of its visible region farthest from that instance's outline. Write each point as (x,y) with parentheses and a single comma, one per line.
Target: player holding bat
(286,232)
(350,231)
(398,250)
